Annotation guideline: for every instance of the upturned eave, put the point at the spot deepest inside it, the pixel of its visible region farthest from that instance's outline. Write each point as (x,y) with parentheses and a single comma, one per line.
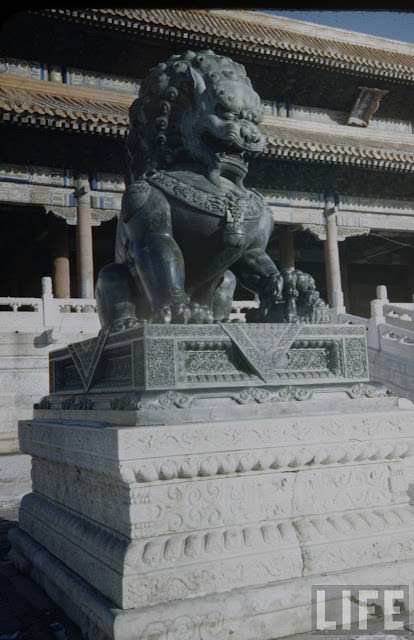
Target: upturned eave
(258,35)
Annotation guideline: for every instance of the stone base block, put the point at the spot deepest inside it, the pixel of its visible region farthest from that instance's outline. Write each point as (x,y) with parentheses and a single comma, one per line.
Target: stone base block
(216,529)
(161,374)
(171,567)
(277,610)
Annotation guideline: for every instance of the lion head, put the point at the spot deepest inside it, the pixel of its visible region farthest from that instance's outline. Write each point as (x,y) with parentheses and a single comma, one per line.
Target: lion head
(196,108)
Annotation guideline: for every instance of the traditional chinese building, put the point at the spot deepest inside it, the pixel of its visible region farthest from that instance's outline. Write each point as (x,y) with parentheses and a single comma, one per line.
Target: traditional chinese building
(337,172)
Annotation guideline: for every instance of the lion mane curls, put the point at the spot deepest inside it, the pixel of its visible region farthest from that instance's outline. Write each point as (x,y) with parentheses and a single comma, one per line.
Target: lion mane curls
(170,88)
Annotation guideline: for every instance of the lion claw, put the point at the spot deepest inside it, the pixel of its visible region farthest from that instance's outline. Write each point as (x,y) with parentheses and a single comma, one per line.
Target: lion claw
(177,313)
(201,314)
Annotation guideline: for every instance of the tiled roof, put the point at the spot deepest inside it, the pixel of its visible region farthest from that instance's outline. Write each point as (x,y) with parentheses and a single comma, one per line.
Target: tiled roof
(44,104)
(349,146)
(260,35)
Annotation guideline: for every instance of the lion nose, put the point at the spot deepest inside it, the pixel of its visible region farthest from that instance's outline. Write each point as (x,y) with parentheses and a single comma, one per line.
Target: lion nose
(249,134)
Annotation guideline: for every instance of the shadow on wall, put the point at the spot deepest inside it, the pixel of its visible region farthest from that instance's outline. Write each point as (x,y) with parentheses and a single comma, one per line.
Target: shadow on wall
(46,338)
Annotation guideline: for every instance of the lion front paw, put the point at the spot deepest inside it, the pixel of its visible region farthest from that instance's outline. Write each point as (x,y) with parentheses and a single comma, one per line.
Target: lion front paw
(125,323)
(272,291)
(124,316)
(201,314)
(177,313)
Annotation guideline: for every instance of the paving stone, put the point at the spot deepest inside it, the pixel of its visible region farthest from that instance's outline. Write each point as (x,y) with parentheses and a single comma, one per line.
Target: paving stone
(26,612)
(31,592)
(20,606)
(5,610)
(4,584)
(10,625)
(7,569)
(43,635)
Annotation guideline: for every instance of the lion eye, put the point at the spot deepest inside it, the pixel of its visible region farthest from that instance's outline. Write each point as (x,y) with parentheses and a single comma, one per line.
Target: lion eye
(223,113)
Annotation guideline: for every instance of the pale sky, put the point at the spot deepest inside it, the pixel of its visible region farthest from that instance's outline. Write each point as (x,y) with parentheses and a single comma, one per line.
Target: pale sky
(398,25)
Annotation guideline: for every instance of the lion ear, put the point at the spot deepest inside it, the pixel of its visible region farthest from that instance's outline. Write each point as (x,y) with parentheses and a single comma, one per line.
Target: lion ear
(198,81)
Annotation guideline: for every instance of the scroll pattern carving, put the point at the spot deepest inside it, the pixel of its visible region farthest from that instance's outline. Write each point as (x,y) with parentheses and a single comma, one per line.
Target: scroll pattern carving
(206,361)
(387,429)
(174,507)
(356,358)
(307,359)
(236,556)
(208,627)
(160,362)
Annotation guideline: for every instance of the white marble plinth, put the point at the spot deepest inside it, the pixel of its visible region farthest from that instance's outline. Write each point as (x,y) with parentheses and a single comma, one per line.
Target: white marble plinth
(277,610)
(238,517)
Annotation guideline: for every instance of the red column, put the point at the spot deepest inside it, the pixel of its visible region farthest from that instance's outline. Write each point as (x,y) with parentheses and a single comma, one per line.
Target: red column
(84,248)
(332,264)
(61,267)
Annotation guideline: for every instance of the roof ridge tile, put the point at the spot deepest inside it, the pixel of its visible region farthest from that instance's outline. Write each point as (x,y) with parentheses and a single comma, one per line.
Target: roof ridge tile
(258,35)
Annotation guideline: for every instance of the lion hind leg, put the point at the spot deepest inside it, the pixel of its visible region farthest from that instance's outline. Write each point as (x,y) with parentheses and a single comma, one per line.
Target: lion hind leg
(118,301)
(223,297)
(157,265)
(212,301)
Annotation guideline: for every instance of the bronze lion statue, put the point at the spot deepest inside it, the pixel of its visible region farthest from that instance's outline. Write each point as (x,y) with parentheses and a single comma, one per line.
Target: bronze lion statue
(189,229)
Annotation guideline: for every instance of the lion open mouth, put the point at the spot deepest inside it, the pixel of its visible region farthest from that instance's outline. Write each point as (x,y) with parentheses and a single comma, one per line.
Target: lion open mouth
(231,159)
